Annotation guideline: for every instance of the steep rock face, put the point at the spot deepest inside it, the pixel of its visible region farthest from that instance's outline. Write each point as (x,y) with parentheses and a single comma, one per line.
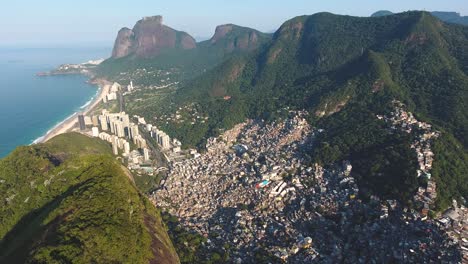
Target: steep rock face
(149,38)
(220,32)
(123,43)
(187,41)
(232,37)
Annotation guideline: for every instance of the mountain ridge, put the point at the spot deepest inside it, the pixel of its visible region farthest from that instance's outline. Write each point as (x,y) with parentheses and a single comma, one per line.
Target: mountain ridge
(451,17)
(149,37)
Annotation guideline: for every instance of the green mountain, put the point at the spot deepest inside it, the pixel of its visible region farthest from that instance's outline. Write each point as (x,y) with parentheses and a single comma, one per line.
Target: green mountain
(450,17)
(69,201)
(345,70)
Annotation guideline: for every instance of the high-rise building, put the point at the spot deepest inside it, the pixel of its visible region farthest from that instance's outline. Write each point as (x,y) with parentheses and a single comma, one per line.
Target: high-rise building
(111,96)
(125,119)
(95,120)
(95,131)
(115,145)
(115,149)
(158,136)
(103,122)
(146,154)
(88,121)
(139,141)
(165,142)
(119,129)
(163,139)
(112,126)
(126,148)
(81,122)
(133,131)
(115,87)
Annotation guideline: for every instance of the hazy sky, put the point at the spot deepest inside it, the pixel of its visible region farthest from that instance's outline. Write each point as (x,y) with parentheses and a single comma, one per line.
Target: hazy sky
(67,22)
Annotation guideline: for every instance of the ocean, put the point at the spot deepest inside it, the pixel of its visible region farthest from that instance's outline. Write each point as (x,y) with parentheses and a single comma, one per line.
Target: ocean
(31,105)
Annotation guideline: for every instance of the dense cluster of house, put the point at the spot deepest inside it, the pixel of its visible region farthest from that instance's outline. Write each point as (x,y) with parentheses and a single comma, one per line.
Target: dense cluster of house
(160,79)
(256,189)
(455,220)
(185,114)
(424,136)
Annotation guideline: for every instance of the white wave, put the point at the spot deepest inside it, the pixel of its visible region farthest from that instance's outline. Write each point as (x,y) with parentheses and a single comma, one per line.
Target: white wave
(41,138)
(87,103)
(91,100)
(38,140)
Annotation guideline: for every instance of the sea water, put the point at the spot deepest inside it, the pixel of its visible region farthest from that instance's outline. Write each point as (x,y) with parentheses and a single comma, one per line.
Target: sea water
(31,105)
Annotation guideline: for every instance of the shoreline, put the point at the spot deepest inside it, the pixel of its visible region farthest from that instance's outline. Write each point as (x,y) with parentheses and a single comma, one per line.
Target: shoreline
(70,122)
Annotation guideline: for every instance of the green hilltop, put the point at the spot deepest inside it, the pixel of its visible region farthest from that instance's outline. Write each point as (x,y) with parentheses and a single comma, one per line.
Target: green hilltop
(70,201)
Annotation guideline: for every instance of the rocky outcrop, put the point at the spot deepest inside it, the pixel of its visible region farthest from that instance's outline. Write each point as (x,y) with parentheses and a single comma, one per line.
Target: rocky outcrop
(220,32)
(149,37)
(123,43)
(233,37)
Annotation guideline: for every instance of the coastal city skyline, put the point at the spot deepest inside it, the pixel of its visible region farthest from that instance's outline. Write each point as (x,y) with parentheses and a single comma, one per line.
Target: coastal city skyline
(59,23)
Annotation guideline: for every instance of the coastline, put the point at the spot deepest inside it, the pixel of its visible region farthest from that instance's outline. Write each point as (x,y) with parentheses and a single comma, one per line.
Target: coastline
(70,122)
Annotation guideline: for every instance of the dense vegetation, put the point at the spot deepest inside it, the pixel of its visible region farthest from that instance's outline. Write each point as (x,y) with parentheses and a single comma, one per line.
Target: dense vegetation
(69,201)
(326,64)
(191,246)
(383,162)
(450,170)
(450,17)
(147,183)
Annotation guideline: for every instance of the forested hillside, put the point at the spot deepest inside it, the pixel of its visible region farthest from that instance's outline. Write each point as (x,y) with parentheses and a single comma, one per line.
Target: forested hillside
(69,201)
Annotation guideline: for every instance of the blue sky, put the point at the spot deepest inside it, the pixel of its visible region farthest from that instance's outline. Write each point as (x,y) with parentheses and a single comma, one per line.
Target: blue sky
(70,22)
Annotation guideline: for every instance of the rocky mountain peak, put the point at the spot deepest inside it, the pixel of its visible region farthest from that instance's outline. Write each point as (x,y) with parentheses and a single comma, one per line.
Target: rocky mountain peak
(221,31)
(232,37)
(122,43)
(148,38)
(156,19)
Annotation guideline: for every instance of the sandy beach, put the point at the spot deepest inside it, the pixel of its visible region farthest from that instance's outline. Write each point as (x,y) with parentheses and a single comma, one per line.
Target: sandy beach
(68,124)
